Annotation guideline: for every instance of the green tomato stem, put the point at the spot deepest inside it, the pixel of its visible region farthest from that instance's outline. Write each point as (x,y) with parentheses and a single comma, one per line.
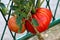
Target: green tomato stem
(33,10)
(33,1)
(39,3)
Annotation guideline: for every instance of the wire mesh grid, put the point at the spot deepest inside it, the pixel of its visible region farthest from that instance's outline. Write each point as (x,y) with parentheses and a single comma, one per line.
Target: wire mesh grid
(54,21)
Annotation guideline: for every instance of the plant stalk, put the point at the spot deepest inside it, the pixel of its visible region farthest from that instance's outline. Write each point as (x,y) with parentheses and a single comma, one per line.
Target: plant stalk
(39,3)
(29,13)
(38,34)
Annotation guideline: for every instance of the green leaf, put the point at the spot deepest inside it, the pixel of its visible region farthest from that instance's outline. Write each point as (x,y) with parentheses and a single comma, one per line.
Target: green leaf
(16,1)
(20,28)
(23,5)
(24,14)
(59,0)
(2,5)
(17,12)
(20,2)
(14,7)
(33,1)
(34,22)
(19,22)
(20,13)
(3,8)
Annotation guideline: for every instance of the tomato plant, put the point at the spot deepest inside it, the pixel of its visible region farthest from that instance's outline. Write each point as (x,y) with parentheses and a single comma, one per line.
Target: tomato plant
(13,25)
(43,17)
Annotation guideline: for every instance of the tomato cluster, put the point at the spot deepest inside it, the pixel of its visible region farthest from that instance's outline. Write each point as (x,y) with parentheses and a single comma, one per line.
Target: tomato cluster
(43,17)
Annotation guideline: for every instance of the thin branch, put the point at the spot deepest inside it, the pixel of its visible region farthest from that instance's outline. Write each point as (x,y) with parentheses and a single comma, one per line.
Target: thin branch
(38,34)
(29,13)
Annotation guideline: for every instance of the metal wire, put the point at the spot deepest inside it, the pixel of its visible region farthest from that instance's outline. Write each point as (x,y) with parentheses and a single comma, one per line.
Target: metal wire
(47,5)
(7,24)
(56,10)
(28,35)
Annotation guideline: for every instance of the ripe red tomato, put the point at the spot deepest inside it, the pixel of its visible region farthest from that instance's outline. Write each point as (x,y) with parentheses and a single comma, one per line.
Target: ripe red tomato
(13,25)
(43,17)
